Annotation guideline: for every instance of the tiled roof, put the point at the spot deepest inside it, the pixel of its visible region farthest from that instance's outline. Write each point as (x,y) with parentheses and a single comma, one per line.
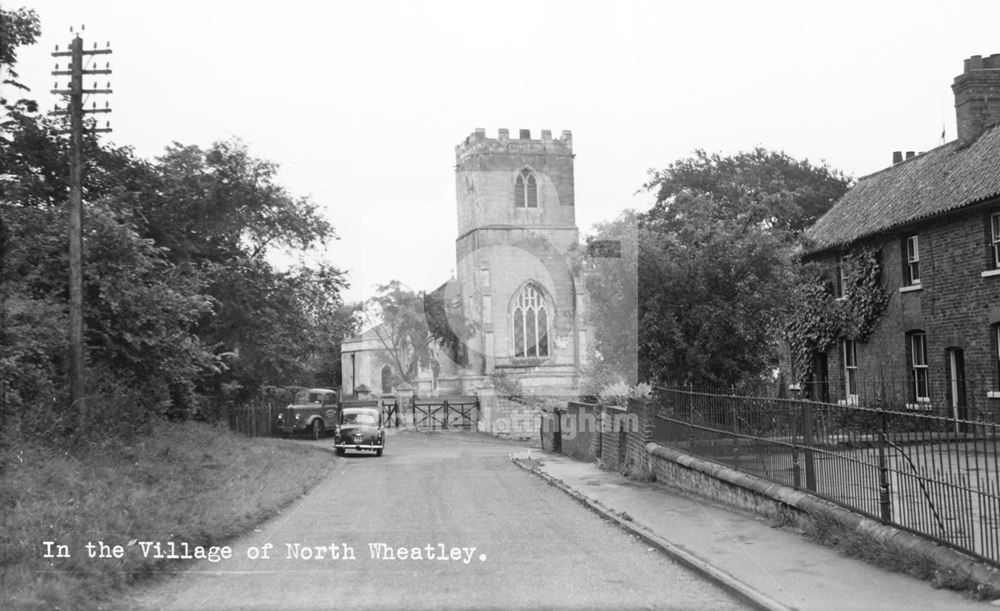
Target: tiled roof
(940,180)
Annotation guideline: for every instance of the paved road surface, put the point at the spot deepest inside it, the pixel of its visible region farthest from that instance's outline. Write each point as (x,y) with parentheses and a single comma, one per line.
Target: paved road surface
(519,542)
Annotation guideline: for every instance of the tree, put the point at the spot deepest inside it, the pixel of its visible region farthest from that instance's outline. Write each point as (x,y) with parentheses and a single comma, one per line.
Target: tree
(221,203)
(609,267)
(760,188)
(180,298)
(272,325)
(715,262)
(397,319)
(447,324)
(18,28)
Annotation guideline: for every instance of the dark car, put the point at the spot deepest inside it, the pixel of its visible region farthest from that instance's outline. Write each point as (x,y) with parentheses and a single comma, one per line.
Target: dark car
(360,428)
(314,412)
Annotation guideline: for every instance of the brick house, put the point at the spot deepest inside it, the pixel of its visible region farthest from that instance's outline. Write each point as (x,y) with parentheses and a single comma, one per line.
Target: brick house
(934,221)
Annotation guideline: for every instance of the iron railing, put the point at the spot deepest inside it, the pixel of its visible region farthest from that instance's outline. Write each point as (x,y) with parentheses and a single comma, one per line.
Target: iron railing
(931,474)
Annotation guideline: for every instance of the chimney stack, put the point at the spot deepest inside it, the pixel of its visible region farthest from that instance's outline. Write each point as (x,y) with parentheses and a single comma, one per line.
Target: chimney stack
(977,97)
(897,157)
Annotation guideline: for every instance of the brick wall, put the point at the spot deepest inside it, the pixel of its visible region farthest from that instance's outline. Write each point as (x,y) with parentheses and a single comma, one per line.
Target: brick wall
(977,96)
(614,443)
(616,436)
(579,431)
(639,431)
(955,307)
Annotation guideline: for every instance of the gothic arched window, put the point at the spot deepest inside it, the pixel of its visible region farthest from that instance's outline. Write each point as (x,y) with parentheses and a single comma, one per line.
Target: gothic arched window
(525,190)
(530,322)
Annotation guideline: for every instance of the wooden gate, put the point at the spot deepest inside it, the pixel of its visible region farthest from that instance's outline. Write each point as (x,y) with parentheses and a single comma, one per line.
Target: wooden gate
(453,412)
(390,410)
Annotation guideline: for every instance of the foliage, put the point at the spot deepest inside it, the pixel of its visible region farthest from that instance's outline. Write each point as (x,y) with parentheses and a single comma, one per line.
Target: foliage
(221,203)
(181,303)
(609,272)
(618,393)
(814,323)
(396,317)
(507,386)
(866,298)
(18,28)
(817,318)
(448,325)
(709,294)
(715,262)
(768,189)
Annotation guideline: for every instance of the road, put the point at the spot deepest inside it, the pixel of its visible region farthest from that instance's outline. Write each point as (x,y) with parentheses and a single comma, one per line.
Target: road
(488,535)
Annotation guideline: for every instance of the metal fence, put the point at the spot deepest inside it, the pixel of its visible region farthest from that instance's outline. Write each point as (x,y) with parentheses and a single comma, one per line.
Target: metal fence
(930,474)
(253,420)
(974,402)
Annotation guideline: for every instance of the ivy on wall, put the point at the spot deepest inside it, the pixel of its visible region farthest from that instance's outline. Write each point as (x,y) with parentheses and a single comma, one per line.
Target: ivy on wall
(866,299)
(819,318)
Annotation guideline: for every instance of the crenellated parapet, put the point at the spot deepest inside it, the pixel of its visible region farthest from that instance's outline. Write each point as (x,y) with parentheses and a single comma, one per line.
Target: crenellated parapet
(478,143)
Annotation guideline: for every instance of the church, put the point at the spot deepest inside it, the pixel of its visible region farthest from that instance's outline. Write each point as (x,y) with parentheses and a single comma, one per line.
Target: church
(515,281)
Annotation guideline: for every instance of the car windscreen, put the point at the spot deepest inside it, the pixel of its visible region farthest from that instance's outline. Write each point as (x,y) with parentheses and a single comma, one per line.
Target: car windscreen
(312,396)
(368,417)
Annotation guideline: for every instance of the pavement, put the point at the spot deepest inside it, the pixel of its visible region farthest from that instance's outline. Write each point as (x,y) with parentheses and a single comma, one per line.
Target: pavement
(770,567)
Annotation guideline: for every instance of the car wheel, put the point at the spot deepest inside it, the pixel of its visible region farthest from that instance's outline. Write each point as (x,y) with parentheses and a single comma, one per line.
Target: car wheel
(317,429)
(378,452)
(340,451)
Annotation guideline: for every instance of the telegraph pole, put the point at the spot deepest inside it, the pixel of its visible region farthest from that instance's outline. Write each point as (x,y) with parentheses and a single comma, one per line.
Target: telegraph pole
(75,93)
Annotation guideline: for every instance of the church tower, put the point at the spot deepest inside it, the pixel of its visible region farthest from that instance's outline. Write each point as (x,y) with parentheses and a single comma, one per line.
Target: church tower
(516,227)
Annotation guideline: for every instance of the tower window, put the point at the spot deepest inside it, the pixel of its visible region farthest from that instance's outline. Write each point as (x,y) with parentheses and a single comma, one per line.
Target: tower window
(530,321)
(525,190)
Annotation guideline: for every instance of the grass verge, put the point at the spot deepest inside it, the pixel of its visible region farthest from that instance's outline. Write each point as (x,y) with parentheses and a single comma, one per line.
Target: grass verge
(860,546)
(185,482)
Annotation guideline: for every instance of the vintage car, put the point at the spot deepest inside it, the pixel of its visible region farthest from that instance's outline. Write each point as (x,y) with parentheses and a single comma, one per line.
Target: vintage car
(314,412)
(360,428)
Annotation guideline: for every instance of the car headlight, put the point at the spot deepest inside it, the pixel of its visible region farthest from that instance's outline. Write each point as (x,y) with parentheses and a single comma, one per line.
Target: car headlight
(297,416)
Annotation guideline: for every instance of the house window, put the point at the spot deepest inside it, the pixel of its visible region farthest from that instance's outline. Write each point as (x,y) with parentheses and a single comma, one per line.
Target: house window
(995,238)
(920,391)
(996,354)
(849,351)
(525,190)
(911,271)
(841,284)
(530,321)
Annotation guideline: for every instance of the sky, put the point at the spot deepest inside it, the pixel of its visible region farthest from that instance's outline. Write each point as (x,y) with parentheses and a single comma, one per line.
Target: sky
(362,103)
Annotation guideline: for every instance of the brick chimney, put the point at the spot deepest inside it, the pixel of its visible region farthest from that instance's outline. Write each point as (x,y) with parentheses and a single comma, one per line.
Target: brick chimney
(977,96)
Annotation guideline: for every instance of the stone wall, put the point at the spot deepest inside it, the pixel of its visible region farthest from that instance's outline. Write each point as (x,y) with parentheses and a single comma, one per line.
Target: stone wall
(780,503)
